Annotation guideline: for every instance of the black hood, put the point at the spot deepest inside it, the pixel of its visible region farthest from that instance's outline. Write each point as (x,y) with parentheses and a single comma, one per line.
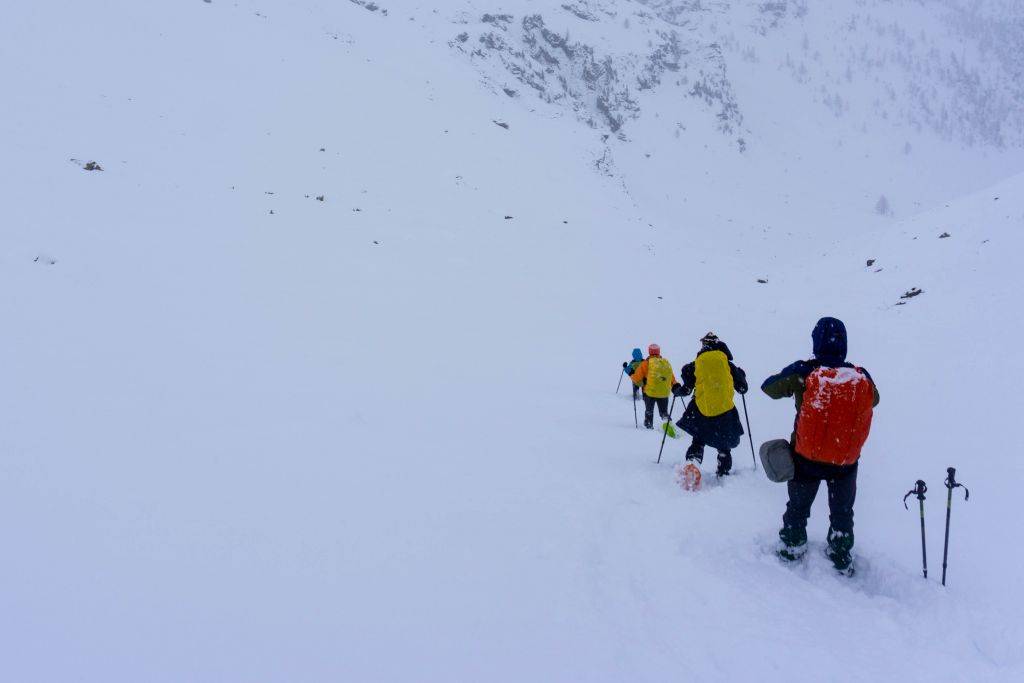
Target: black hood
(714,345)
(829,338)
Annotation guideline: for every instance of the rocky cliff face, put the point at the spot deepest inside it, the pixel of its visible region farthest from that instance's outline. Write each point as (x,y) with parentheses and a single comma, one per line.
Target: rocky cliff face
(600,59)
(531,55)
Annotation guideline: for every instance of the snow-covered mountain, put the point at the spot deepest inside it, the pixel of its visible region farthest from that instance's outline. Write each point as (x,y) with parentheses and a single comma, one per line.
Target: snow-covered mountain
(313,310)
(948,68)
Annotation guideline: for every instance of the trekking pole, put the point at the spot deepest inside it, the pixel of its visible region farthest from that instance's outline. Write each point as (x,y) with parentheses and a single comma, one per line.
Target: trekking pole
(619,385)
(749,435)
(664,434)
(920,488)
(951,483)
(636,421)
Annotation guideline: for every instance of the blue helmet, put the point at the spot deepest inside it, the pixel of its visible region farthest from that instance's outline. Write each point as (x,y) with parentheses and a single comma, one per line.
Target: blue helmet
(638,354)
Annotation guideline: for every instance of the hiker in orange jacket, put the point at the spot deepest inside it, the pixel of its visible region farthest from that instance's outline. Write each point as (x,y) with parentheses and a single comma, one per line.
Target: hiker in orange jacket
(656,377)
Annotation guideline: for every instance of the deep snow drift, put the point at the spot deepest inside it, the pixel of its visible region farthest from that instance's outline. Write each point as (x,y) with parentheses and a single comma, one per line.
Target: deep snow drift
(313,380)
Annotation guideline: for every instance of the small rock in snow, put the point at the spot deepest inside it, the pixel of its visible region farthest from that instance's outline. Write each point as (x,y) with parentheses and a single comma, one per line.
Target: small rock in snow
(508,218)
(912,292)
(502,124)
(870,262)
(763,282)
(943,235)
(88,165)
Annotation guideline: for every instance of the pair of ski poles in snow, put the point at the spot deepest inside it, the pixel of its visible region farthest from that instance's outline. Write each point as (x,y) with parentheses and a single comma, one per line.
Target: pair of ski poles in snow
(920,488)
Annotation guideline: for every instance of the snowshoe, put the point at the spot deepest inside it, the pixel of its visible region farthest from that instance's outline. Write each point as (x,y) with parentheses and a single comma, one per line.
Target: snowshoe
(688,476)
(670,430)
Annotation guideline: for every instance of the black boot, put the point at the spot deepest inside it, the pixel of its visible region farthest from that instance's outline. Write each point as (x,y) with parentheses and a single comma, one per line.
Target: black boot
(792,543)
(840,550)
(724,463)
(695,452)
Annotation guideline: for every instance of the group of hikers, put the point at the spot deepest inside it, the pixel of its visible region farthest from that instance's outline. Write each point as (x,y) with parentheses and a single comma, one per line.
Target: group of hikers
(834,403)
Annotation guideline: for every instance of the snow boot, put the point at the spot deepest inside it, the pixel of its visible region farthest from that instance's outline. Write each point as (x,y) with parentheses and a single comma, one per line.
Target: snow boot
(649,422)
(840,551)
(792,543)
(724,463)
(695,453)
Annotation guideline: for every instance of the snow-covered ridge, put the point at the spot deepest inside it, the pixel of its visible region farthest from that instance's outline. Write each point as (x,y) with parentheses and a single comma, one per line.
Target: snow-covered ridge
(870,63)
(600,88)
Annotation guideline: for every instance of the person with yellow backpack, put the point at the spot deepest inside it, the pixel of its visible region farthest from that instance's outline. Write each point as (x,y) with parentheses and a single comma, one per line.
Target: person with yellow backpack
(712,418)
(658,380)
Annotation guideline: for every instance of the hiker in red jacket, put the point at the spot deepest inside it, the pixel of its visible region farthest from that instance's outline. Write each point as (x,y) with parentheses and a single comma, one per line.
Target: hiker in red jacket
(834,403)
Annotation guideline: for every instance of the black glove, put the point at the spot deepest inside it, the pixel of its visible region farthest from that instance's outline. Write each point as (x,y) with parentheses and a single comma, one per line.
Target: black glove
(678,390)
(741,390)
(625,365)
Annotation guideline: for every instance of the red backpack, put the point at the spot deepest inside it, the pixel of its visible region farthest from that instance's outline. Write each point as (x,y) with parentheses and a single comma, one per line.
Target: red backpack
(835,415)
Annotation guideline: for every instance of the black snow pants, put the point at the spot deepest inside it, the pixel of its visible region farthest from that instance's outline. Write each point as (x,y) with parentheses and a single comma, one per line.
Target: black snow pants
(696,452)
(841,481)
(649,403)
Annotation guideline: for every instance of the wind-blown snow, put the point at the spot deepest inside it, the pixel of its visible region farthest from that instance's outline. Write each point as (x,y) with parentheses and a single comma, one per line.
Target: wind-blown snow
(313,380)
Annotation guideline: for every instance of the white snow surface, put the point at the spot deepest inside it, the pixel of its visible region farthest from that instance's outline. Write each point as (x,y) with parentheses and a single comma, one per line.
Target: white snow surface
(841,376)
(313,381)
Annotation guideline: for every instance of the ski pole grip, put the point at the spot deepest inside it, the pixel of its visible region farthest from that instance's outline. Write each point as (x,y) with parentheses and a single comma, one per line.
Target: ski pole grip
(920,488)
(952,483)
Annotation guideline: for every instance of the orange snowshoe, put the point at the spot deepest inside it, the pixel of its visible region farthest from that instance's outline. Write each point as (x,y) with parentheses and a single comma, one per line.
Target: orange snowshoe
(688,476)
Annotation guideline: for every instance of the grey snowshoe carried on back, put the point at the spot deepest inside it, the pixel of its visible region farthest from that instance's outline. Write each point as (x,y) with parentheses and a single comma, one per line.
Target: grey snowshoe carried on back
(777,460)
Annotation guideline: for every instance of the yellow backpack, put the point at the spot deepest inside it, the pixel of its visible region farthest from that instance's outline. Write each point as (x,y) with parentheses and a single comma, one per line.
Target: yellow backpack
(714,394)
(659,377)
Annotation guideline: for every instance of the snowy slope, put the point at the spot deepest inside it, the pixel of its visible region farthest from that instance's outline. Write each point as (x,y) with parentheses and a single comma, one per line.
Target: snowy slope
(252,434)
